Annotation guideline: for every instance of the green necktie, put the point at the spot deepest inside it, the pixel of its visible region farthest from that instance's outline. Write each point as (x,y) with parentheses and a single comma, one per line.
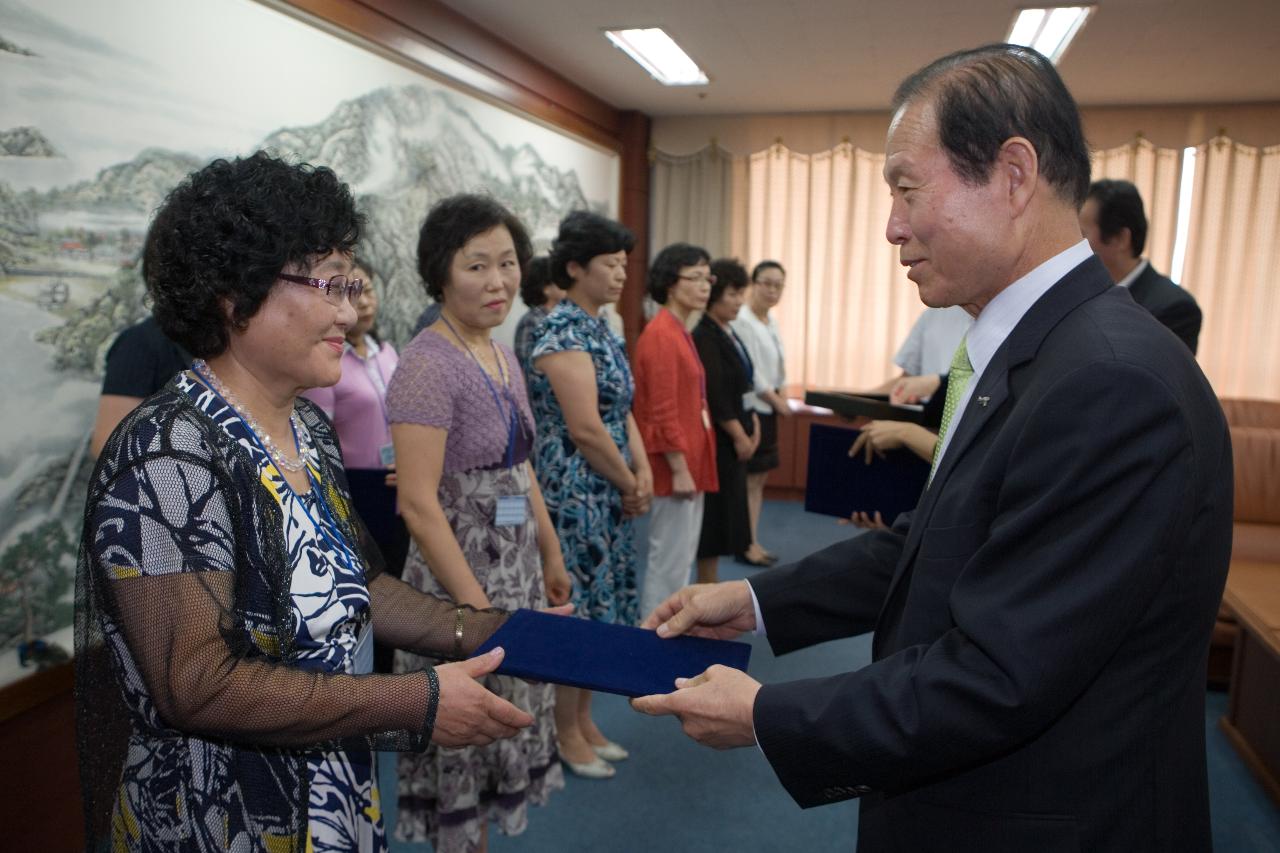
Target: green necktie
(957,382)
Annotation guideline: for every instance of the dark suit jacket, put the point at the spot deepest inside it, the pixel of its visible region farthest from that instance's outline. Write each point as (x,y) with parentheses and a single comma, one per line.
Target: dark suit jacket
(1168,303)
(1041,620)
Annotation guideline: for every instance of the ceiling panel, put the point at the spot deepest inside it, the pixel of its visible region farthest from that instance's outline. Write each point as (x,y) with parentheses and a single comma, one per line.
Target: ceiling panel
(836,55)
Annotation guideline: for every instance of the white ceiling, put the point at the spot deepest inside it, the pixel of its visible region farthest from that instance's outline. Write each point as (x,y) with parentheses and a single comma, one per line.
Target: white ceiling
(768,56)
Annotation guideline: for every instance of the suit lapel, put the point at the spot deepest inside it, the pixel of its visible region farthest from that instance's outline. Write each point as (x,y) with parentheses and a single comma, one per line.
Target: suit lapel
(1084,282)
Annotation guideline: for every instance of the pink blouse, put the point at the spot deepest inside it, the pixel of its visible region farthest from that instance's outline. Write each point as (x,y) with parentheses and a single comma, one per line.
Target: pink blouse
(357,405)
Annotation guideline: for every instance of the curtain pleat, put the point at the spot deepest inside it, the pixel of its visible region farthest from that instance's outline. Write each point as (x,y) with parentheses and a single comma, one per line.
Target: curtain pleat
(692,200)
(1233,253)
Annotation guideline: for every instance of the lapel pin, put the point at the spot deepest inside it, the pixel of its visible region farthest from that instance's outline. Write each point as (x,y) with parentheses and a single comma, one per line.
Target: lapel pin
(982,401)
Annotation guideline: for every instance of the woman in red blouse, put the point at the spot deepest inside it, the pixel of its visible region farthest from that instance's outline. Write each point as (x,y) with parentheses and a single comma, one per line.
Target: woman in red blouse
(675,423)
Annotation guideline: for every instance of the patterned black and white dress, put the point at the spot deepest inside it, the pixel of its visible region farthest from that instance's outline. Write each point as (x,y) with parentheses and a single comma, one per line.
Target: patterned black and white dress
(164,778)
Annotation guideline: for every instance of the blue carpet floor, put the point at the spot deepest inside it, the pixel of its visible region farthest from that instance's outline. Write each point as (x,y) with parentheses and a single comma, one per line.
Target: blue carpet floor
(676,796)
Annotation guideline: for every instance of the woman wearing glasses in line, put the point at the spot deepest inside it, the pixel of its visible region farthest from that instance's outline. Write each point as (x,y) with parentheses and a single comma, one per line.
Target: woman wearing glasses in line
(675,421)
(227,594)
(357,405)
(463,433)
(759,333)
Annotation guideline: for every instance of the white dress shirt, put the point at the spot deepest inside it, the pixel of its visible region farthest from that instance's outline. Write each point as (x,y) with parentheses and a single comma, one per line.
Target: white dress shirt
(1134,273)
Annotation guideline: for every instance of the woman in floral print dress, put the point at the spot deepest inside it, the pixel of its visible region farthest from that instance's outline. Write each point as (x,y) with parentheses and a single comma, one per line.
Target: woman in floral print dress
(589,456)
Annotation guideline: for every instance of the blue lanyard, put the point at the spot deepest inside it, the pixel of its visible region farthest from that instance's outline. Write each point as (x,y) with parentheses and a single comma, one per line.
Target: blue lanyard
(497,357)
(348,557)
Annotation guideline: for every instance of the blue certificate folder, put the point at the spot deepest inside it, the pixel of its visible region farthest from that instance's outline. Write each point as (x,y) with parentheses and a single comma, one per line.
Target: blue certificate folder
(600,656)
(838,484)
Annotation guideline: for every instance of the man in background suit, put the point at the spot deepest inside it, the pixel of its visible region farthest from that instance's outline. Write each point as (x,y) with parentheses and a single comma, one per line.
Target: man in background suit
(1042,619)
(1115,224)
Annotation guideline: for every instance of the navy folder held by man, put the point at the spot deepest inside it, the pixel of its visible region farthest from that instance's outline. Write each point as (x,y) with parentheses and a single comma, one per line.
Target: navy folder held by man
(600,656)
(838,484)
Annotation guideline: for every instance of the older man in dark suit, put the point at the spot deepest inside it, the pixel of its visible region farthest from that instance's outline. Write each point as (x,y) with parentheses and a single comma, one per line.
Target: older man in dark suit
(1115,224)
(1042,619)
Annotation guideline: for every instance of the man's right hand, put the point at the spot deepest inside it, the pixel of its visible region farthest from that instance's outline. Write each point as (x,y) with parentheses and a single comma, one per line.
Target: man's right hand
(468,714)
(719,610)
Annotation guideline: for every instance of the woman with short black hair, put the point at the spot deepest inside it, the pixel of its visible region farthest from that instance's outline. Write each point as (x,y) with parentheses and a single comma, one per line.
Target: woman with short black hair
(726,524)
(759,333)
(589,456)
(675,422)
(226,591)
(463,432)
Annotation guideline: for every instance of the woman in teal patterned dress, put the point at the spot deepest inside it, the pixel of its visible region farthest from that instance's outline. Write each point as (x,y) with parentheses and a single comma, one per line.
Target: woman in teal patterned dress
(589,457)
(227,595)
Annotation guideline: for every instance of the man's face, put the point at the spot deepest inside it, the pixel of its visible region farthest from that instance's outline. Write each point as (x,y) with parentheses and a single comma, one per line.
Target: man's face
(955,239)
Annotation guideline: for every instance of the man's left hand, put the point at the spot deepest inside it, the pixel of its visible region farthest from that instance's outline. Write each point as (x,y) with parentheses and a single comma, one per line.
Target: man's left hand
(715,709)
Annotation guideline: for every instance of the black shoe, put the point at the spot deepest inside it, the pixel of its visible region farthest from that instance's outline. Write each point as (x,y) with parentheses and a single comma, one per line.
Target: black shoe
(759,564)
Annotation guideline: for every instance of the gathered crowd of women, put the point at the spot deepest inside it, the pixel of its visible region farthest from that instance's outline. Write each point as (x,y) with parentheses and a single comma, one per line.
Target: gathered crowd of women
(293,549)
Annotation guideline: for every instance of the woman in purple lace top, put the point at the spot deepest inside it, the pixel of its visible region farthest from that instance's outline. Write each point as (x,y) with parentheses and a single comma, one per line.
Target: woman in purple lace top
(462,430)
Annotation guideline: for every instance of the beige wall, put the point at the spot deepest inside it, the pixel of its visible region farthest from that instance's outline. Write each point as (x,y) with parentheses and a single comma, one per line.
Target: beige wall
(1106,127)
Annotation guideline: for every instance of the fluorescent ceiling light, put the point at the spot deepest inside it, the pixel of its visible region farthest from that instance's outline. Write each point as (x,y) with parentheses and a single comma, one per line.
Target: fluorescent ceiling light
(1049,30)
(659,54)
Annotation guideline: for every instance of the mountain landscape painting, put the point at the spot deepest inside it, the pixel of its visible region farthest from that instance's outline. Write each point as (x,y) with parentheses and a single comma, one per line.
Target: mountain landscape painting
(106,106)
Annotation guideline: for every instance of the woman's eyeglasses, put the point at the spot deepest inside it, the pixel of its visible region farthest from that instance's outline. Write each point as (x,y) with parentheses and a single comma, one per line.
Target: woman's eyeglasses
(336,289)
(698,279)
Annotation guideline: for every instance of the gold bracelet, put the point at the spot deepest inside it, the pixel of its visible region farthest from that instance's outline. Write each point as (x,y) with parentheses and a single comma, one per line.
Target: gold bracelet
(457,635)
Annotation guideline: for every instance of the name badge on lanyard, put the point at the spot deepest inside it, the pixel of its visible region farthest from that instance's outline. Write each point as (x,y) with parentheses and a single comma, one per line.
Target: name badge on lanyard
(511,510)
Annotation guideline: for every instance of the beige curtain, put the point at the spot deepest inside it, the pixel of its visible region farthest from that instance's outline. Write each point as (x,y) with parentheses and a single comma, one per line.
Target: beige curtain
(1155,172)
(692,200)
(1233,259)
(848,303)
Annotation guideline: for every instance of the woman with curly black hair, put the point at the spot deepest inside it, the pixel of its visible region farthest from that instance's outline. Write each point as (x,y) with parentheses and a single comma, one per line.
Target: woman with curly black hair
(227,594)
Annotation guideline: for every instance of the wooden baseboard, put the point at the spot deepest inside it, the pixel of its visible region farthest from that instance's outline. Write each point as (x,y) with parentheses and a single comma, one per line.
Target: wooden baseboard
(1251,759)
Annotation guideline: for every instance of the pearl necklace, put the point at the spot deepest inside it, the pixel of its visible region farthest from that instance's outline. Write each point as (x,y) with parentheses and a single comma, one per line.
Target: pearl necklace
(277,455)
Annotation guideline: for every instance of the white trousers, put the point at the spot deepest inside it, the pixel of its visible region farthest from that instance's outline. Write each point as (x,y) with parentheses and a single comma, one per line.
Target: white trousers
(675,525)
